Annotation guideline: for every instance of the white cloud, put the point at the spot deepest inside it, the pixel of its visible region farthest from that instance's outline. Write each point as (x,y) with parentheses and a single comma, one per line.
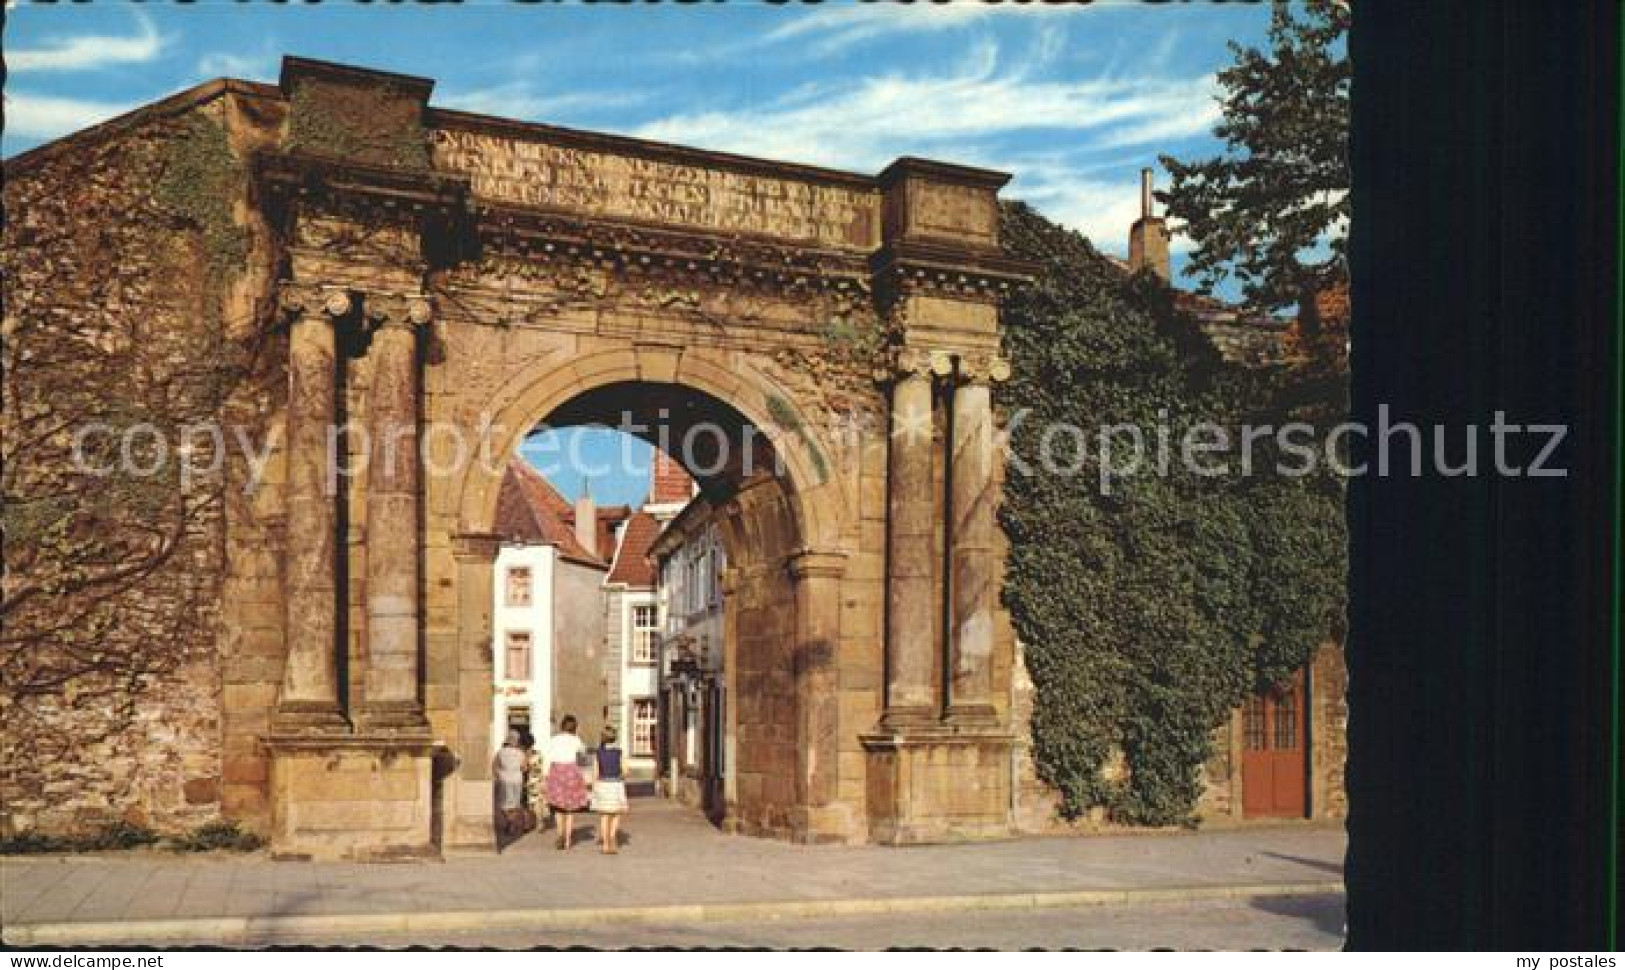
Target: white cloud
(1200,113)
(516,99)
(834,28)
(1102,209)
(89,51)
(43,117)
(829,30)
(865,124)
(1099,131)
(261,66)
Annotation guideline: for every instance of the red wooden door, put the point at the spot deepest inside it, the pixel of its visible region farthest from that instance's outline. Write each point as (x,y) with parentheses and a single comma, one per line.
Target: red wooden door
(1274,755)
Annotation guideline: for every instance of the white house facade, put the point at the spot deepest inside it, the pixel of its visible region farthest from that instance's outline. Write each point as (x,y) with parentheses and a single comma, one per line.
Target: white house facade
(522,651)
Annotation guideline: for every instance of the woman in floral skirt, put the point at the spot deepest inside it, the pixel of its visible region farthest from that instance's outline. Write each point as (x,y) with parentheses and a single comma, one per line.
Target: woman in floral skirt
(566,788)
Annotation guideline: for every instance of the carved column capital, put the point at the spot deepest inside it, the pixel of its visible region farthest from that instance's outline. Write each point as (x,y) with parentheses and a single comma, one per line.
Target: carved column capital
(297,298)
(917,362)
(406,311)
(984,368)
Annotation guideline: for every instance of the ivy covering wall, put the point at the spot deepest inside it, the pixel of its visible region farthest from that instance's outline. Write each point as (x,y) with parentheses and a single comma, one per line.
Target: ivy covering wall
(1153,605)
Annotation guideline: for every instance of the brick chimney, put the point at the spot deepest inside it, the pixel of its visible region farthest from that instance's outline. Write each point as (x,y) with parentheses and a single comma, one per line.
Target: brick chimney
(1148,238)
(586,523)
(669,483)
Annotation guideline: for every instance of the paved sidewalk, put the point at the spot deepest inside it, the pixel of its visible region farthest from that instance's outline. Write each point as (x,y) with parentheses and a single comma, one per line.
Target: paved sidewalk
(675,866)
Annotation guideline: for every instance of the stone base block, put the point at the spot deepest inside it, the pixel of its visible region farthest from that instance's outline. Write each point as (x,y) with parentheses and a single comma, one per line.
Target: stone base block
(939,785)
(354,797)
(836,824)
(473,815)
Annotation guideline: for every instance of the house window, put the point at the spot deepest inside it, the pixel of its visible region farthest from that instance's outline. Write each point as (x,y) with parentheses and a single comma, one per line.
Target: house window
(1286,721)
(516,665)
(1253,723)
(518,586)
(645,623)
(645,717)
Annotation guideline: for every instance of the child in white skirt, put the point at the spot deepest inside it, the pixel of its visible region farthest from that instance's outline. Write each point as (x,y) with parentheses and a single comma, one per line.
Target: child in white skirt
(609,793)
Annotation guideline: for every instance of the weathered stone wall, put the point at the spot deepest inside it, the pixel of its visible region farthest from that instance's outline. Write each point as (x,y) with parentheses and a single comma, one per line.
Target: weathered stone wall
(615,640)
(1329,713)
(252,647)
(1037,804)
(578,648)
(759,633)
(126,262)
(1220,800)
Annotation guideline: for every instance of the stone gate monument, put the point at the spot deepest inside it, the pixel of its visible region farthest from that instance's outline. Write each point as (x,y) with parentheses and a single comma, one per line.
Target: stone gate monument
(427,280)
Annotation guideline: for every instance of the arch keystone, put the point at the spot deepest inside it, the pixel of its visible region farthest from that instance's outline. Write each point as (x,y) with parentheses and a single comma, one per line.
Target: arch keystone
(658,362)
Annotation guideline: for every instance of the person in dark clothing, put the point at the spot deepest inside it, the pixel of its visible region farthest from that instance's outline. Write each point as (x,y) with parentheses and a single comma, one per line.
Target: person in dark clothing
(609,793)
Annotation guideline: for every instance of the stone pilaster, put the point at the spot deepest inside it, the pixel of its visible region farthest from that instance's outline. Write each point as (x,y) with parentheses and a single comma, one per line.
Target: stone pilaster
(309,700)
(391,700)
(911,691)
(468,808)
(817,577)
(973,557)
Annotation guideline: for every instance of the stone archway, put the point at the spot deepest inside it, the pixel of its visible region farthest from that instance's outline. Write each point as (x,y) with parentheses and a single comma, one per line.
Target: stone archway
(782,528)
(465,292)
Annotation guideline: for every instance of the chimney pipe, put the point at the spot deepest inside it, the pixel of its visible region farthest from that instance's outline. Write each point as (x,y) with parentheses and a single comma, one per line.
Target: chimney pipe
(587,520)
(1148,237)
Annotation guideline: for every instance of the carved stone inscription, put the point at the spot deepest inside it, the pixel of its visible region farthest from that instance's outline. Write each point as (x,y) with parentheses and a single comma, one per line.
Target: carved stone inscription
(599,183)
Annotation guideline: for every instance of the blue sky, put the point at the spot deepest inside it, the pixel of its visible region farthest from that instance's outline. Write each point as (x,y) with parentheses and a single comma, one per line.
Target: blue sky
(613,464)
(1072,101)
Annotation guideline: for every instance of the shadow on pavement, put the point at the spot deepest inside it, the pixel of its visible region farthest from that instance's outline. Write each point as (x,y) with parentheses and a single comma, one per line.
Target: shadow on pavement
(1329,913)
(1321,864)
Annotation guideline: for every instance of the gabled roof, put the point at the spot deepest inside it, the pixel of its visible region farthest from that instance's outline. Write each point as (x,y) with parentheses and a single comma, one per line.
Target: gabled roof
(530,510)
(632,564)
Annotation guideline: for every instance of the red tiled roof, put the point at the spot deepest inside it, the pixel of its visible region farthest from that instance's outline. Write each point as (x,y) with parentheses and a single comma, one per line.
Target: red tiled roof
(632,565)
(669,483)
(530,510)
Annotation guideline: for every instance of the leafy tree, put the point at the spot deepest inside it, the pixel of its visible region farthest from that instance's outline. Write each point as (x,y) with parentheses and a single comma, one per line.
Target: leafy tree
(1273,209)
(1153,607)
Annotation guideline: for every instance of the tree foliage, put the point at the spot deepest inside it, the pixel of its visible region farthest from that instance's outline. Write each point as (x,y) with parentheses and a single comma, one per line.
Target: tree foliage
(1274,208)
(1151,608)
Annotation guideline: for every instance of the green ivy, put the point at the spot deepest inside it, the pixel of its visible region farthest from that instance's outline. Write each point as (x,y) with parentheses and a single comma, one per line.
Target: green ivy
(367,125)
(200,182)
(1152,608)
(218,834)
(858,342)
(785,416)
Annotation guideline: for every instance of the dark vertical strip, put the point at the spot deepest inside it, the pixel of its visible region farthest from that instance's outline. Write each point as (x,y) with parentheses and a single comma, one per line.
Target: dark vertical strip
(1616,767)
(1485,257)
